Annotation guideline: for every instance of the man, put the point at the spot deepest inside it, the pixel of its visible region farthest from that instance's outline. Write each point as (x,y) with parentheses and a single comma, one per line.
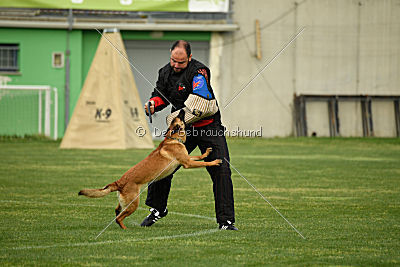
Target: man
(185,78)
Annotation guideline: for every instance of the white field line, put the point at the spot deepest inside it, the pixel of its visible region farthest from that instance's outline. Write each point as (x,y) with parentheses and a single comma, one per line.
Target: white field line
(314,157)
(203,232)
(191,215)
(86,244)
(99,206)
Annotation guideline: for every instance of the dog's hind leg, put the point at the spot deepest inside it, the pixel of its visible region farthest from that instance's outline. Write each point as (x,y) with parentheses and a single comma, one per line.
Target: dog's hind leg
(133,202)
(118,208)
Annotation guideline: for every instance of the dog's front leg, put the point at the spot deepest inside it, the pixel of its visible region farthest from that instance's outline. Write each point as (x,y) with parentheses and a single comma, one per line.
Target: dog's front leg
(188,164)
(186,161)
(201,157)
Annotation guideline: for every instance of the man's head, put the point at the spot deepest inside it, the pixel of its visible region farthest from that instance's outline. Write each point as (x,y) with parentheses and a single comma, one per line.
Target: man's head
(181,55)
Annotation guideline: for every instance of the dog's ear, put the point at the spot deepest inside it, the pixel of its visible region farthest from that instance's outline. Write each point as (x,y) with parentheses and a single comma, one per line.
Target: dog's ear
(181,115)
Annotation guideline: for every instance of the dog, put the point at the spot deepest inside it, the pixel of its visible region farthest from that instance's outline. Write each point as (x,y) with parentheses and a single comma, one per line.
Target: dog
(163,161)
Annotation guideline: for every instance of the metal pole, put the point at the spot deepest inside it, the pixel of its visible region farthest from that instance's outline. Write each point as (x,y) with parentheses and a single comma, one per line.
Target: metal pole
(67,68)
(294,70)
(396,103)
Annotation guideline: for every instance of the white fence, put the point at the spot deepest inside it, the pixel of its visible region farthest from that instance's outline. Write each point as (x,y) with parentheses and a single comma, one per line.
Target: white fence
(47,106)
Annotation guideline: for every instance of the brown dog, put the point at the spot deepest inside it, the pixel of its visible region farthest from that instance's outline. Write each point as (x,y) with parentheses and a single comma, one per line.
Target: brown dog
(170,154)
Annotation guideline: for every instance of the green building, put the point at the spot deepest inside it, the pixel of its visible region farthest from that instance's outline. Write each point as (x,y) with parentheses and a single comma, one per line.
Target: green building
(43,44)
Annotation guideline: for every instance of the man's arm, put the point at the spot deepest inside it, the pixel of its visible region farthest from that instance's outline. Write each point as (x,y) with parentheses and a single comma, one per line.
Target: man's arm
(158,99)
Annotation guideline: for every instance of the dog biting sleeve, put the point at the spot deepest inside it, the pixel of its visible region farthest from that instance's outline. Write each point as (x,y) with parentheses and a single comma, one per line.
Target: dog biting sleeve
(200,104)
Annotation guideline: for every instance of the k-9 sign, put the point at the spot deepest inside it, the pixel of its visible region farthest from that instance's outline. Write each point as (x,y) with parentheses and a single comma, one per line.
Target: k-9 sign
(102,115)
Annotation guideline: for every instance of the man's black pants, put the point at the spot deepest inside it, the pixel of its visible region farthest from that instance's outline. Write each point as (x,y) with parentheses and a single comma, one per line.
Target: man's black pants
(211,135)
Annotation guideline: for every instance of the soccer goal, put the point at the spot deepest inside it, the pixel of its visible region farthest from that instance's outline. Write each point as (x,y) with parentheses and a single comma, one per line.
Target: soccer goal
(28,109)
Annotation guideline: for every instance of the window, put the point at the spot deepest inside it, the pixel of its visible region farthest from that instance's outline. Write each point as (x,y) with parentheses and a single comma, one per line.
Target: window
(58,60)
(9,57)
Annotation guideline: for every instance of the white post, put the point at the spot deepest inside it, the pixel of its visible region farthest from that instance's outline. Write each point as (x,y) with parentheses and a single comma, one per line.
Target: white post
(40,112)
(47,113)
(55,113)
(47,104)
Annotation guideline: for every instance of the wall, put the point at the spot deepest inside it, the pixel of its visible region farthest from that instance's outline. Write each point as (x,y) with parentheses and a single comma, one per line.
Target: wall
(348,47)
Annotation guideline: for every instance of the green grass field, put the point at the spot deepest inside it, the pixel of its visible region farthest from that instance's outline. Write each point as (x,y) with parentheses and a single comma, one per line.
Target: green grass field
(343,195)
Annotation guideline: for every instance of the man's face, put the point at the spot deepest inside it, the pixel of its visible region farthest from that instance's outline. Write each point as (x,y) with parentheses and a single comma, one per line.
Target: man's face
(179,59)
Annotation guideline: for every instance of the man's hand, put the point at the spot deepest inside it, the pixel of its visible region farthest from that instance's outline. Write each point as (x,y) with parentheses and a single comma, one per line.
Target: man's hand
(146,108)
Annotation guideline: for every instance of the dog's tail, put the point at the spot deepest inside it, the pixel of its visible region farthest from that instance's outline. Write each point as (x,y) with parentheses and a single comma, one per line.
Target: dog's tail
(94,193)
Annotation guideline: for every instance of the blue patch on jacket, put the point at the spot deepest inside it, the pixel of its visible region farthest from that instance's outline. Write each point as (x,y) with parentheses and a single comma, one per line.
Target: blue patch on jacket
(200,87)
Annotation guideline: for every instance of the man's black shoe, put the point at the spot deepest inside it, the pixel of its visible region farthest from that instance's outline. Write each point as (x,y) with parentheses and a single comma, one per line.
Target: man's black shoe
(153,217)
(228,225)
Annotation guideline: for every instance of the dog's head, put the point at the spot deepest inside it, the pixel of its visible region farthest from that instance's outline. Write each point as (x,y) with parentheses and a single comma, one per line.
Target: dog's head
(177,127)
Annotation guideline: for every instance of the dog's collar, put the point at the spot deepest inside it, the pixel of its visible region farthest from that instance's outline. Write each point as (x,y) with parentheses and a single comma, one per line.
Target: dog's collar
(177,139)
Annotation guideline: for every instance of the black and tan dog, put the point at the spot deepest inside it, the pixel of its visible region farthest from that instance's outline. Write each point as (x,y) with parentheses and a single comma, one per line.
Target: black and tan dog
(170,154)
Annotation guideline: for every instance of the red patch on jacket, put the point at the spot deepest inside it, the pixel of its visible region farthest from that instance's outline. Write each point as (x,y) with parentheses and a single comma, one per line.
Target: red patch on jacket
(204,73)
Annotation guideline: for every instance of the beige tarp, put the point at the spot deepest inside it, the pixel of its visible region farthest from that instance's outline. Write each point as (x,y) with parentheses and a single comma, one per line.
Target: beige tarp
(109,114)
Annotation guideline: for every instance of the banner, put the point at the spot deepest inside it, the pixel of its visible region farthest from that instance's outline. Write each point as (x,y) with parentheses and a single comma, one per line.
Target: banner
(124,5)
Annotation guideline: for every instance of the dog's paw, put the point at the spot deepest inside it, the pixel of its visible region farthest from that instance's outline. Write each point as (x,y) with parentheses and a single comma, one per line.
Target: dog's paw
(217,162)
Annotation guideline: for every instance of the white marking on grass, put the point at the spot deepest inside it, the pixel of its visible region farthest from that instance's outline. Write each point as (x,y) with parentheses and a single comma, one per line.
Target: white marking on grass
(53,203)
(330,198)
(85,244)
(203,232)
(192,215)
(99,206)
(313,157)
